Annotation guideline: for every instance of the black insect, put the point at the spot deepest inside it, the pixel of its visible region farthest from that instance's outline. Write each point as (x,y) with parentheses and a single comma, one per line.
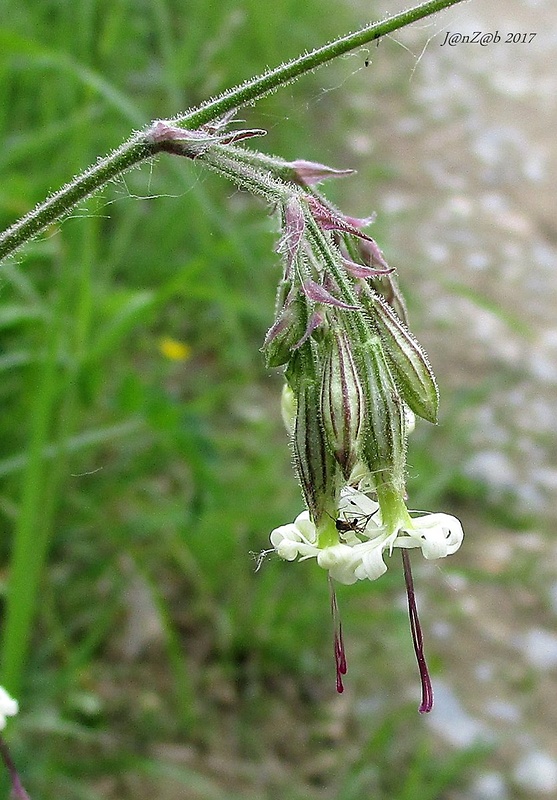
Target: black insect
(356,524)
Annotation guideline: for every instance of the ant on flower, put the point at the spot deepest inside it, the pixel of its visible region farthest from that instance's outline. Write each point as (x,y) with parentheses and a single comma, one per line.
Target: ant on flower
(356,524)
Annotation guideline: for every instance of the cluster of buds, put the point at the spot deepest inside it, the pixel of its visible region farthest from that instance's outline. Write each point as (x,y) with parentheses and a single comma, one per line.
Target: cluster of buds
(355,377)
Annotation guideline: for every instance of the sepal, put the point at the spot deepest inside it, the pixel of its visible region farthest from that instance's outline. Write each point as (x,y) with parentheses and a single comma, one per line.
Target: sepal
(318,472)
(409,363)
(383,447)
(342,401)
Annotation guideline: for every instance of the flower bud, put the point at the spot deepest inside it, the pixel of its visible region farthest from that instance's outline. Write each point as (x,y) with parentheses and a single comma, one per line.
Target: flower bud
(288,407)
(342,402)
(286,332)
(409,363)
(387,286)
(383,447)
(317,469)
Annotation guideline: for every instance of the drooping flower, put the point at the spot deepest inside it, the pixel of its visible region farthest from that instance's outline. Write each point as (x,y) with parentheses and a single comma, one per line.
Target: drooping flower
(355,376)
(363,540)
(366,535)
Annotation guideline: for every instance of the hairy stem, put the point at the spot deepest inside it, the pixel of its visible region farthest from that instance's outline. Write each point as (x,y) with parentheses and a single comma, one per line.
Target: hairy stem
(140,147)
(268,82)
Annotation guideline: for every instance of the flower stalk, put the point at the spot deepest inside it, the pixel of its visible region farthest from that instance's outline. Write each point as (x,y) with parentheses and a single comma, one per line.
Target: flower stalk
(140,146)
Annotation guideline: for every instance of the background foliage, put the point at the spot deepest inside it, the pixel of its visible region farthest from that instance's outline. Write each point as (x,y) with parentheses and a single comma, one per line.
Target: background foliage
(150,658)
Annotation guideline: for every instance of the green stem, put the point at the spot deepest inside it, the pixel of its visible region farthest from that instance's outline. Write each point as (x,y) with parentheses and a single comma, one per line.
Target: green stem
(252,179)
(327,534)
(139,147)
(394,514)
(286,73)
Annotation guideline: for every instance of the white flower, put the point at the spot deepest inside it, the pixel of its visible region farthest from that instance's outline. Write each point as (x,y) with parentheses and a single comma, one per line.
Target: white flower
(298,538)
(8,707)
(340,561)
(363,540)
(356,502)
(438,535)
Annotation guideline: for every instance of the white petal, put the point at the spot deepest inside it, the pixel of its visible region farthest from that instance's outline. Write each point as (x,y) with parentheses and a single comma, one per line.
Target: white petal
(286,541)
(455,534)
(336,554)
(8,706)
(339,561)
(287,550)
(439,535)
(353,500)
(372,565)
(306,527)
(289,543)
(343,574)
(289,532)
(301,530)
(307,551)
(434,543)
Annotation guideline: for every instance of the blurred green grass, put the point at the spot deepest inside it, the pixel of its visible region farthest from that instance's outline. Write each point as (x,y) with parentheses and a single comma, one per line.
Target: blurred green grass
(148,655)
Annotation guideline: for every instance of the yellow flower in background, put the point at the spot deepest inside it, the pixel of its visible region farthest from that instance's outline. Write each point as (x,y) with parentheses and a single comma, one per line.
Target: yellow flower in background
(174,350)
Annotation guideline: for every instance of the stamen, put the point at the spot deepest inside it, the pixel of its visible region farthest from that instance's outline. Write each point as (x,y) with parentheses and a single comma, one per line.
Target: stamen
(18,791)
(340,654)
(417,639)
